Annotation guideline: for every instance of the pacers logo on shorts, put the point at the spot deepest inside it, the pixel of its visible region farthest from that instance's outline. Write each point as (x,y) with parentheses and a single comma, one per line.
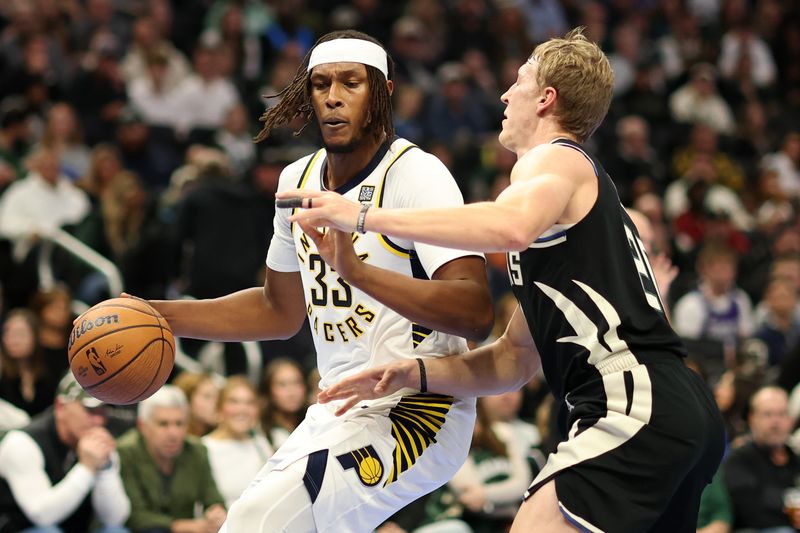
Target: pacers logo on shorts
(366,463)
(416,420)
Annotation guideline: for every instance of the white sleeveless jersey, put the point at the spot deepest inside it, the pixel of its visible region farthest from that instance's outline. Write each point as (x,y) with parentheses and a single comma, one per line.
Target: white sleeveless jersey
(353,331)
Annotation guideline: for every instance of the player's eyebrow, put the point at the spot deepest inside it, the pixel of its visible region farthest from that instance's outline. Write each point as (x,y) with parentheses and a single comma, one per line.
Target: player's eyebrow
(350,72)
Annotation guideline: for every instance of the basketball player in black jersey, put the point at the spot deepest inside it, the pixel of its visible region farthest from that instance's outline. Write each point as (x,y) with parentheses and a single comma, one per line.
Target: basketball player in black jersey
(645,435)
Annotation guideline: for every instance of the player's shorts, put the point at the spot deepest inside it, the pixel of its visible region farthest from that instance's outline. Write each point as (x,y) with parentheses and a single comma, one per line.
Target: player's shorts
(357,471)
(643,443)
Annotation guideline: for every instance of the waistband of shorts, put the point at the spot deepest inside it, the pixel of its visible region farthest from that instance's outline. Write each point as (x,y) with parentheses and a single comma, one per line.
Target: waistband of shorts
(617,363)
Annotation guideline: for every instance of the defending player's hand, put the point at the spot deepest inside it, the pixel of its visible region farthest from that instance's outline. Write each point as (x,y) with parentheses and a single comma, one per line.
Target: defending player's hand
(370,384)
(321,208)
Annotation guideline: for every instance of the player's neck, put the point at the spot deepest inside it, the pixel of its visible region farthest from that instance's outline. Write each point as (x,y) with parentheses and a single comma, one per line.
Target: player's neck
(342,167)
(546,132)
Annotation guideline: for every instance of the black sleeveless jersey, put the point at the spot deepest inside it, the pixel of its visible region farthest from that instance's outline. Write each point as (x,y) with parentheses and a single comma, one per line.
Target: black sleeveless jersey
(589,295)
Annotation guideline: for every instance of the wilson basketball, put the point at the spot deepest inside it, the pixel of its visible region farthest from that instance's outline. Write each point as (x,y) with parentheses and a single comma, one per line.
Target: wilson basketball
(121,351)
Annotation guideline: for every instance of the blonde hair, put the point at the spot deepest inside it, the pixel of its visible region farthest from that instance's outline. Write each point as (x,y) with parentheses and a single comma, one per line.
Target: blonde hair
(580,73)
(122,224)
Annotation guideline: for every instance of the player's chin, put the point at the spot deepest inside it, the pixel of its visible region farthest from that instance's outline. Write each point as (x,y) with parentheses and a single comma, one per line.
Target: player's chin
(339,145)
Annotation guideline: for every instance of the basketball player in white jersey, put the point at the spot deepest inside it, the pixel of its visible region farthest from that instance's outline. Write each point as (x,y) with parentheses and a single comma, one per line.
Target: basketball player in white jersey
(645,436)
(369,300)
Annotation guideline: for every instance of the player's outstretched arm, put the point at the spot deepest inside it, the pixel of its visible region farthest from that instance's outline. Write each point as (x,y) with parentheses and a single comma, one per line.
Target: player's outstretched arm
(506,364)
(543,183)
(275,311)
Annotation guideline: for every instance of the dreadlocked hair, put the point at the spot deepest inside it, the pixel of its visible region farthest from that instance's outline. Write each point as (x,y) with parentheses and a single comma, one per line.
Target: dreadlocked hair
(295,99)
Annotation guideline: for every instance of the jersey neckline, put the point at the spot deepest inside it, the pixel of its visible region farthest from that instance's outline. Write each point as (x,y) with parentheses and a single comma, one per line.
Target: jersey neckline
(361,175)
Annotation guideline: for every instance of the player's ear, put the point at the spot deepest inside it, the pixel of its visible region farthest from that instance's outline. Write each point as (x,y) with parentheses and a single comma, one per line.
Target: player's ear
(547,98)
(390,86)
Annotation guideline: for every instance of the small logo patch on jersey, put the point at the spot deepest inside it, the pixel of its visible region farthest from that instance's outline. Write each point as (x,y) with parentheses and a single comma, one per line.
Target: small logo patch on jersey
(366,192)
(365,462)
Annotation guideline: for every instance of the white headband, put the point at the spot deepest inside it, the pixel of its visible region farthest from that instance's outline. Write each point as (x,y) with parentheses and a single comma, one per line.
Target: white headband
(349,51)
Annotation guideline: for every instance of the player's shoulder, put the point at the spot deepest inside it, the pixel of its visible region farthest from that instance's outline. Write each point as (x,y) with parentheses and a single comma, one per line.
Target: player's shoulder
(293,172)
(569,160)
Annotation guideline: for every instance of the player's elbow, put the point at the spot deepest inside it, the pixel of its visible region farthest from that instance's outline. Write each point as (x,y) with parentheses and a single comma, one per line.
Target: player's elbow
(516,238)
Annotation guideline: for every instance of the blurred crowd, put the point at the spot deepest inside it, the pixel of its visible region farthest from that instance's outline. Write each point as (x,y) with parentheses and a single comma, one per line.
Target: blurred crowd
(127,126)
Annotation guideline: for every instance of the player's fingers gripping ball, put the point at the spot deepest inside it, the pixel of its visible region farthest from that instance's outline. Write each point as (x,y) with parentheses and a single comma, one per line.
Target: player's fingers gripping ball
(121,350)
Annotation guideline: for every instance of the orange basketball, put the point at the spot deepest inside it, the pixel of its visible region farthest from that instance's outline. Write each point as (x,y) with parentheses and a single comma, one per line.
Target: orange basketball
(121,351)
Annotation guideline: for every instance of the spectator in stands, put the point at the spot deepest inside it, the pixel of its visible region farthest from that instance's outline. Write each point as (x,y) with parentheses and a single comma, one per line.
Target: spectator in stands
(706,211)
(24,378)
(238,27)
(53,309)
(39,68)
(732,393)
(207,96)
(754,134)
(743,47)
(504,409)
(202,392)
(14,134)
(288,31)
(154,98)
(98,92)
(63,134)
(703,143)
(99,16)
(285,395)
(149,152)
(705,168)
(774,207)
(125,227)
(61,472)
(409,49)
(148,41)
(453,117)
(236,140)
(780,327)
(635,165)
(716,511)
(757,473)
(698,102)
(214,195)
(42,202)
(628,53)
(545,19)
(104,165)
(786,162)
(236,449)
(408,116)
(165,472)
(510,33)
(717,309)
(681,46)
